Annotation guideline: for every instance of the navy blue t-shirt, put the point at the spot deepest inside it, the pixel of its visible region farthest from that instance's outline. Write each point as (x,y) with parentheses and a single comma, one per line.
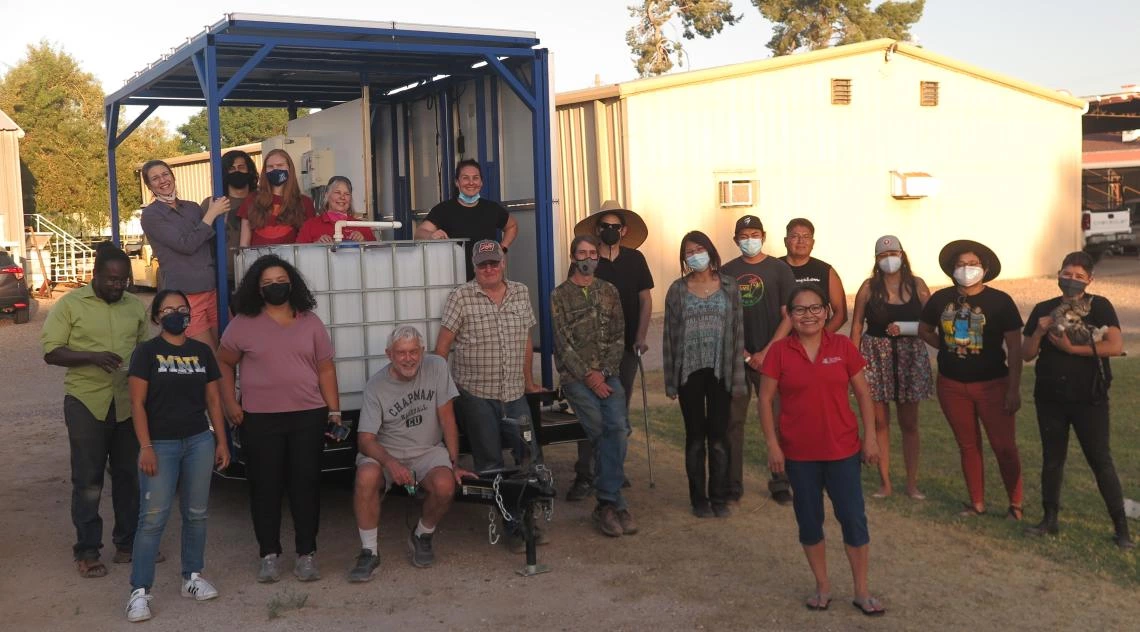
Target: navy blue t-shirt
(176,386)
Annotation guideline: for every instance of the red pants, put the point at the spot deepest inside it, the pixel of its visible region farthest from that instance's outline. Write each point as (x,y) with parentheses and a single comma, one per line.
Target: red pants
(964,404)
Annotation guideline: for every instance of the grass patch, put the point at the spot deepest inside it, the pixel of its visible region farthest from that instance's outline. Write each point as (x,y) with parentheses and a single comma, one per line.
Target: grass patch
(1086,530)
(285,601)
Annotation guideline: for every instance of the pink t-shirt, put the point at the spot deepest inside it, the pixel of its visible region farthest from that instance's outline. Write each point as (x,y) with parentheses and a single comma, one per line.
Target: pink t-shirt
(279,364)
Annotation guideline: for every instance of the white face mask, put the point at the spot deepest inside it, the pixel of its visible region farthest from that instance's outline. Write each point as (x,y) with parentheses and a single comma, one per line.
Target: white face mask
(699,261)
(890,264)
(751,247)
(968,276)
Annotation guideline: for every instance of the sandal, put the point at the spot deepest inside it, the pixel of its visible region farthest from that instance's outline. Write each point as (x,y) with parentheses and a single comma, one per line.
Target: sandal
(818,601)
(1014,513)
(916,495)
(90,569)
(969,511)
(870,607)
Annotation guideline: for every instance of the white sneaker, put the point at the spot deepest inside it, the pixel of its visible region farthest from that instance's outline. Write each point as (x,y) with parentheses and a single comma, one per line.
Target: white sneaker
(198,588)
(138,606)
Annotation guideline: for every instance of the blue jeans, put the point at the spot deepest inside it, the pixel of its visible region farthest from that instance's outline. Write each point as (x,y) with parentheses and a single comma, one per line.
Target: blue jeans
(186,463)
(486,430)
(842,481)
(605,423)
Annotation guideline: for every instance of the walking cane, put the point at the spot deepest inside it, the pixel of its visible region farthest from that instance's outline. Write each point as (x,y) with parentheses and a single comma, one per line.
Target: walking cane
(645,413)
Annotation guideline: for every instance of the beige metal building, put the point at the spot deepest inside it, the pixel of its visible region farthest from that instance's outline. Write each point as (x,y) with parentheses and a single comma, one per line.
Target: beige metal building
(192,173)
(11,189)
(866,139)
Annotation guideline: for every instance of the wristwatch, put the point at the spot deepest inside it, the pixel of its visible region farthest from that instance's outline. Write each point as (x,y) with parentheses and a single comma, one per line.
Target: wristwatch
(606,373)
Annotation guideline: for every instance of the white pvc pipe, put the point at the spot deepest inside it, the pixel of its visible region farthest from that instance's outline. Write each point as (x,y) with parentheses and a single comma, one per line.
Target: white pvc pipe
(338,228)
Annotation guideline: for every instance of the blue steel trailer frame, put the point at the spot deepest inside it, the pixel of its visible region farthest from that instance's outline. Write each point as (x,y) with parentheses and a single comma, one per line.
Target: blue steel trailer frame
(288,62)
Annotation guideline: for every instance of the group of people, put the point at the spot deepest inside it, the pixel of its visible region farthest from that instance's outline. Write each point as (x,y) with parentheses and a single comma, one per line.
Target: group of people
(752,326)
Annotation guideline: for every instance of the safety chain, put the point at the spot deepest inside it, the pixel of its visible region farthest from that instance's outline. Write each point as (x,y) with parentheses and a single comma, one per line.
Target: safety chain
(492,535)
(507,517)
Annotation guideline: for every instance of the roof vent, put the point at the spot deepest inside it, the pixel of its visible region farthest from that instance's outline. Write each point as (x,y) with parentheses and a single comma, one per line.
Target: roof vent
(841,92)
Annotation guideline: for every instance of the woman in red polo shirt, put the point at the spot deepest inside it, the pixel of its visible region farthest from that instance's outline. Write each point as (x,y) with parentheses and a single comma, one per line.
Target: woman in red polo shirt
(818,443)
(337,207)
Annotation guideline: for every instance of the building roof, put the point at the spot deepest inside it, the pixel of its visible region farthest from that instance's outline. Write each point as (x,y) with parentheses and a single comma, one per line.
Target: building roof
(8,125)
(621,90)
(1113,112)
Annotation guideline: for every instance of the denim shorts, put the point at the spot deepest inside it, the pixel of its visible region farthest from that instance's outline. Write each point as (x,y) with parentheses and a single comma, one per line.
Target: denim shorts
(842,480)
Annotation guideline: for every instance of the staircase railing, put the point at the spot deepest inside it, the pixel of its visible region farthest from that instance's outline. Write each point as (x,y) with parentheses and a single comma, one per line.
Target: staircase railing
(71,258)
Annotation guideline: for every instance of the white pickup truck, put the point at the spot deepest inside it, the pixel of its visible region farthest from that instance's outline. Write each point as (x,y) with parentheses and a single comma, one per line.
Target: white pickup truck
(1106,231)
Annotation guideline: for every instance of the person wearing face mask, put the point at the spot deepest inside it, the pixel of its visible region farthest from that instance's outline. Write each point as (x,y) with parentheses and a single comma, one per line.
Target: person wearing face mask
(337,208)
(1071,389)
(588,342)
(288,396)
(765,285)
(976,329)
(240,177)
(276,212)
(885,329)
(182,236)
(799,241)
(468,215)
(173,385)
(621,232)
(703,348)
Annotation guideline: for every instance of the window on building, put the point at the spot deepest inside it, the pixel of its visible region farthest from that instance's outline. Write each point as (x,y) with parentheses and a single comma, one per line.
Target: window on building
(735,193)
(928,93)
(841,92)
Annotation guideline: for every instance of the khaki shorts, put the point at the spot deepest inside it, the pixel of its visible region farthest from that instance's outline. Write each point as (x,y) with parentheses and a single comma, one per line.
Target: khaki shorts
(436,456)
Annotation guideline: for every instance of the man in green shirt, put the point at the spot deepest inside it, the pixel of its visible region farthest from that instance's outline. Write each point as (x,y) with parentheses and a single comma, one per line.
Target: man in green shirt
(92,331)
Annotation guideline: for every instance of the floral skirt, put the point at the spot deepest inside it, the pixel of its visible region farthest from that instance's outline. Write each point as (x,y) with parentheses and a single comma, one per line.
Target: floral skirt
(898,369)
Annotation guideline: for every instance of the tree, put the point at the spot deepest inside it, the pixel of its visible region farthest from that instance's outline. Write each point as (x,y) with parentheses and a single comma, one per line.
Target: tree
(654,51)
(815,24)
(239,126)
(60,108)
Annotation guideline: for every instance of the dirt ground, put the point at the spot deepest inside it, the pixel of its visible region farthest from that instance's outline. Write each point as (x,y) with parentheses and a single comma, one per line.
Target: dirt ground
(678,573)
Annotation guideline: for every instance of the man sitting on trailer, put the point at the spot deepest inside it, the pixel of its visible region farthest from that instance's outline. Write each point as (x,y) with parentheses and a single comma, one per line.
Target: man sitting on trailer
(406,436)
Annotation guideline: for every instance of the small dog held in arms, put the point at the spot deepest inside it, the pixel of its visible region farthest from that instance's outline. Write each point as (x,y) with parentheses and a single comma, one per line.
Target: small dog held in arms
(1069,319)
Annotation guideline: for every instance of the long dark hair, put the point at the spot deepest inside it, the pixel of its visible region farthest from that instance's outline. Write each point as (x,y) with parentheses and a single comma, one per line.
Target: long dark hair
(248,300)
(292,206)
(702,240)
(231,156)
(877,303)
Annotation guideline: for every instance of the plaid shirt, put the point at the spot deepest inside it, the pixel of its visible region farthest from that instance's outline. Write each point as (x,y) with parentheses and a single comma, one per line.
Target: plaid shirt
(490,339)
(589,331)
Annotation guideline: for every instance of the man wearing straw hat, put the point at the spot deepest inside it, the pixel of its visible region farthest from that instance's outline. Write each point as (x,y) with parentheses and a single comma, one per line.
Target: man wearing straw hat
(621,231)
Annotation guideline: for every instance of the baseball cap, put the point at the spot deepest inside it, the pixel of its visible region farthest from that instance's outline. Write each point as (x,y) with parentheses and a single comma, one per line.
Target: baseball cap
(887,243)
(486,250)
(747,222)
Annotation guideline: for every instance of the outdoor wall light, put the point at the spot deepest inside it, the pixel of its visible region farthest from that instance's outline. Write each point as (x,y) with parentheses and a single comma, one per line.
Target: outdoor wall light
(910,185)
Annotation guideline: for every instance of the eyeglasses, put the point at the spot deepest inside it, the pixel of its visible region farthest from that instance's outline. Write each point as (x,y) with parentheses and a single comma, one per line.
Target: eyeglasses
(486,265)
(815,310)
(605,225)
(166,311)
(800,237)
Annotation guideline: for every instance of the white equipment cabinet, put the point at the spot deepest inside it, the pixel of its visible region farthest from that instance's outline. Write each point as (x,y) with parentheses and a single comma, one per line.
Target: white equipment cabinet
(365,291)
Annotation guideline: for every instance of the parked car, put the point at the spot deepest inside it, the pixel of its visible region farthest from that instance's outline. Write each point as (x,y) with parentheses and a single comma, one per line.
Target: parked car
(1106,231)
(15,300)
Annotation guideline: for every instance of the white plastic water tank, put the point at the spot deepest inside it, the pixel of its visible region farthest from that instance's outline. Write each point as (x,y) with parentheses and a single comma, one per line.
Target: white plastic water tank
(365,291)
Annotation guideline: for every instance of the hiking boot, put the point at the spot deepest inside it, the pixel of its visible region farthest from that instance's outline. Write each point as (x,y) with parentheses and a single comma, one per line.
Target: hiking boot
(198,588)
(1047,526)
(305,569)
(702,510)
(1122,538)
(628,524)
(366,564)
(138,606)
(606,517)
(269,571)
(579,489)
(420,546)
(782,497)
(721,510)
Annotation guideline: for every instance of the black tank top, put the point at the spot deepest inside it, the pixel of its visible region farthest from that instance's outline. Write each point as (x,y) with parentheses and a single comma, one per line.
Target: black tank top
(814,271)
(877,320)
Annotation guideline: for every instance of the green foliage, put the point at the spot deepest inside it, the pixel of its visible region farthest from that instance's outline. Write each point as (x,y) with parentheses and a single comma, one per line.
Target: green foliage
(1085,539)
(239,127)
(814,24)
(60,109)
(653,50)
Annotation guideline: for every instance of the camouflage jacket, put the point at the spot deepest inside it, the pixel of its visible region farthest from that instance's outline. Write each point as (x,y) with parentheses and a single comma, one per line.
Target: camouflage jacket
(589,330)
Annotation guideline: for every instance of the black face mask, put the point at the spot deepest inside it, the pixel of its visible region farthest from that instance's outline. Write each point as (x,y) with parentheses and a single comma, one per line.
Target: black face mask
(240,180)
(278,177)
(1071,288)
(175,322)
(276,293)
(610,235)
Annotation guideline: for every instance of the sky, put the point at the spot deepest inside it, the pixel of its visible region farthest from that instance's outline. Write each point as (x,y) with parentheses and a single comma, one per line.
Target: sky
(1085,48)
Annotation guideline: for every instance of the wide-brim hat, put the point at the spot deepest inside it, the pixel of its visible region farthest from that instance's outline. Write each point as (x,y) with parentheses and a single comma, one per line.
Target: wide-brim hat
(636,231)
(951,251)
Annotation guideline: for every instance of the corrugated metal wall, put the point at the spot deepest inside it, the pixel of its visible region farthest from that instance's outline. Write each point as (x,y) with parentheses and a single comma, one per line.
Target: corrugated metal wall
(193,174)
(592,157)
(11,192)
